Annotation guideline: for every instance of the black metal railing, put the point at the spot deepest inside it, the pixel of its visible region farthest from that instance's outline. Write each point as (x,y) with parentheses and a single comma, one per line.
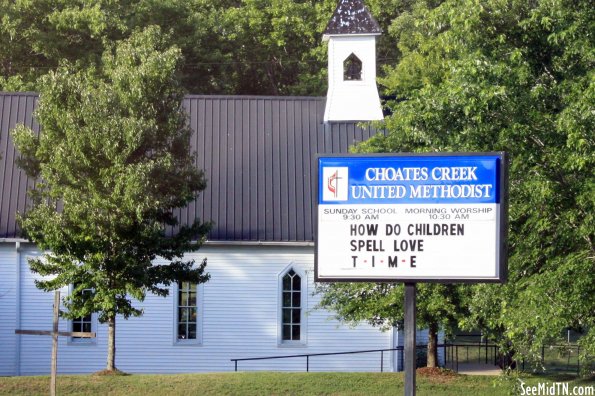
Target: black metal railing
(454,354)
(309,355)
(562,358)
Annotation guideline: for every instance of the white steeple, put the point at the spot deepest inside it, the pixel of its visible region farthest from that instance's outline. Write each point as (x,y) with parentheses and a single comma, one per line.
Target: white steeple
(352,93)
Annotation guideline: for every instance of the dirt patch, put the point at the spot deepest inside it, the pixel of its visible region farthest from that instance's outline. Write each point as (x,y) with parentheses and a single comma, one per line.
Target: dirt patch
(115,372)
(437,374)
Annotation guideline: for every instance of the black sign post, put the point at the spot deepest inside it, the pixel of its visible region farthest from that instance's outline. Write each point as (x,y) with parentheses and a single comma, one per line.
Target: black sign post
(410,347)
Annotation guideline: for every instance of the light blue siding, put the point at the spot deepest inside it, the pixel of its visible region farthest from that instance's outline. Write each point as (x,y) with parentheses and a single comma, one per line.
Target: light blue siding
(240,319)
(8,312)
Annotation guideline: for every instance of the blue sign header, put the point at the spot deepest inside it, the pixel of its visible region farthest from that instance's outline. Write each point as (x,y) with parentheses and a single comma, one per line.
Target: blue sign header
(409,179)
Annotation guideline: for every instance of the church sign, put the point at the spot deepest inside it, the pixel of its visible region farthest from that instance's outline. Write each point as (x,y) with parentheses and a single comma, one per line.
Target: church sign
(412,218)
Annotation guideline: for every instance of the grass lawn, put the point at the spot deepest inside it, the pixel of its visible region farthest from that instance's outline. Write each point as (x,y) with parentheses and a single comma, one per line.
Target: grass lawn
(269,383)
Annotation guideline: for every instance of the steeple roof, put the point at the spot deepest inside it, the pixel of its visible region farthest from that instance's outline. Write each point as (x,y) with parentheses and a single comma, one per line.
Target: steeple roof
(352,17)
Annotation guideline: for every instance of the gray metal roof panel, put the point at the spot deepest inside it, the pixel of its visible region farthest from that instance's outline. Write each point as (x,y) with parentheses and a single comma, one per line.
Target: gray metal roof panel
(14,109)
(257,153)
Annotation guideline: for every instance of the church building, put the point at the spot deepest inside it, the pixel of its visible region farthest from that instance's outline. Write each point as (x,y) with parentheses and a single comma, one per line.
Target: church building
(258,155)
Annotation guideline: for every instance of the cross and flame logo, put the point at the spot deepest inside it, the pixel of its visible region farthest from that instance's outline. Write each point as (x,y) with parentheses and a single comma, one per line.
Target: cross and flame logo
(336,183)
(333,183)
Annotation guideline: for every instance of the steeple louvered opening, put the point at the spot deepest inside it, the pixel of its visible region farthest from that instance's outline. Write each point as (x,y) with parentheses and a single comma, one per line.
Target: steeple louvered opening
(352,68)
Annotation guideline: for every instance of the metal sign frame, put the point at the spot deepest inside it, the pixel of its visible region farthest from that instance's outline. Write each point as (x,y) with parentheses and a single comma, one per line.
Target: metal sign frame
(501,179)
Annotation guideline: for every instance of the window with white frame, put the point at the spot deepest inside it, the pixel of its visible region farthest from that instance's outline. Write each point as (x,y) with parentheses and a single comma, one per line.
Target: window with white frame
(187,327)
(82,323)
(291,307)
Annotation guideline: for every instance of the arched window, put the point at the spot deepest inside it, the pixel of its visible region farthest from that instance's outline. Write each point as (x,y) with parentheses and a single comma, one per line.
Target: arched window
(291,307)
(352,68)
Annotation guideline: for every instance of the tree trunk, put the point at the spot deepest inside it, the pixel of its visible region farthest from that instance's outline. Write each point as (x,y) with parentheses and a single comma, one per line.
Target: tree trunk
(111,343)
(433,346)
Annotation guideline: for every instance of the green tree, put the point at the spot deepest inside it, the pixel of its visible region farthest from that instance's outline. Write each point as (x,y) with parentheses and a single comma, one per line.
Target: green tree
(277,46)
(515,76)
(113,163)
(35,36)
(439,307)
(270,47)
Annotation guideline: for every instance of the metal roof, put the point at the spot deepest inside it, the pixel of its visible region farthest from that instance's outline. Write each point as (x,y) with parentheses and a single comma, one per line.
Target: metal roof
(352,17)
(14,109)
(257,152)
